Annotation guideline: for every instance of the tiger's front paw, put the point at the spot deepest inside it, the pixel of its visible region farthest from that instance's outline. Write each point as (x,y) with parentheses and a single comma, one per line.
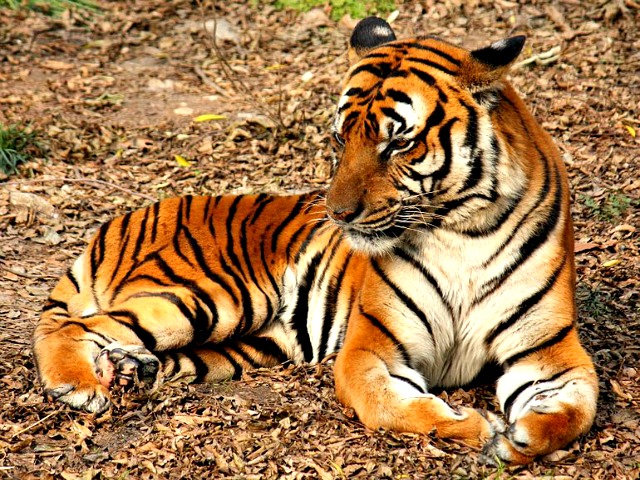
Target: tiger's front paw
(500,449)
(126,366)
(533,435)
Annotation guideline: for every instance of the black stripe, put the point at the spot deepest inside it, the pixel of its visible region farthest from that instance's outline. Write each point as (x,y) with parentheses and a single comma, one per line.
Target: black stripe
(554,340)
(73,279)
(471,141)
(260,204)
(51,304)
(301,312)
(444,137)
(202,263)
(201,294)
(538,238)
(409,381)
(294,238)
(124,243)
(186,201)
(97,250)
(350,119)
(200,321)
(391,113)
(233,258)
(207,209)
(345,106)
(508,403)
(200,366)
(357,92)
(237,368)
(177,248)
(380,326)
(399,96)
(292,216)
(371,123)
(267,270)
(435,118)
(426,274)
(124,224)
(438,52)
(308,239)
(433,64)
(150,278)
(244,248)
(142,333)
(376,55)
(156,219)
(141,233)
(424,76)
(164,357)
(403,297)
(268,347)
(525,306)
(245,297)
(369,68)
(331,304)
(398,74)
(72,323)
(332,247)
(246,357)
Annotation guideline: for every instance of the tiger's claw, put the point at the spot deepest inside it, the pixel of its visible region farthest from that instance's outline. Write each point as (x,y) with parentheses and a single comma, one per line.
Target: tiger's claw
(126,366)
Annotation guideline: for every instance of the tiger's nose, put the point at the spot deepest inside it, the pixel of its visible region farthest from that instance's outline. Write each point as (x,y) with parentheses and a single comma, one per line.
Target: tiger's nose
(345,214)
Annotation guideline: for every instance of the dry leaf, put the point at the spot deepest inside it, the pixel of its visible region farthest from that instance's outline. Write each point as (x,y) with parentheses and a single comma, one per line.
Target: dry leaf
(612,263)
(56,65)
(631,130)
(207,117)
(183,162)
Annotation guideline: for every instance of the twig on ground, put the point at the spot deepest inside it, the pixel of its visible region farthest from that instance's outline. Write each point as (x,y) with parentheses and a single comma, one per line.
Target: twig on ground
(207,81)
(231,75)
(34,424)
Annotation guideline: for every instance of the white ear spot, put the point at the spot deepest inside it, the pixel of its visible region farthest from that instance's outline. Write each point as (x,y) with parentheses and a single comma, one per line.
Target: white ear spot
(500,44)
(380,31)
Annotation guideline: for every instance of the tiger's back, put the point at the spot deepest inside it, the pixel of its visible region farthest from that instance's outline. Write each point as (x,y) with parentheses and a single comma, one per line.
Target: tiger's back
(444,244)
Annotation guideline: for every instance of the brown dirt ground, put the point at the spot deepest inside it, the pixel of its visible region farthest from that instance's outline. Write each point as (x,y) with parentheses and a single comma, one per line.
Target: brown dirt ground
(114,97)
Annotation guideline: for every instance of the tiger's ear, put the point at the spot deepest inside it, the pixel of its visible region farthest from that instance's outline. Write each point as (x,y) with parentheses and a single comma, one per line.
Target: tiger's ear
(486,66)
(369,33)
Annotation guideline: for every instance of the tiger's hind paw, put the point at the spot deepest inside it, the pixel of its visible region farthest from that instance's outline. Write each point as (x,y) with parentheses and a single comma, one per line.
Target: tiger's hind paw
(126,366)
(89,397)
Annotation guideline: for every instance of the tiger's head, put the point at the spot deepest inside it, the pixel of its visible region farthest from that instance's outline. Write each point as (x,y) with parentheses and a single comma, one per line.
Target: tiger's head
(415,143)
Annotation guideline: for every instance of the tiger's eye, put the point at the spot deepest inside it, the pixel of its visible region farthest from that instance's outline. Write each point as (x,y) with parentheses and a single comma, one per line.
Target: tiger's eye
(400,144)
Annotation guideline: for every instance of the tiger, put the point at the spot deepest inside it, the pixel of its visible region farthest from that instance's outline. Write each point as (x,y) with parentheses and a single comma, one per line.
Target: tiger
(442,245)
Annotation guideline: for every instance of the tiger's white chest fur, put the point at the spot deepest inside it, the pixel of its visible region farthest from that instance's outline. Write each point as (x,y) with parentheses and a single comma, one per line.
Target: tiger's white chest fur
(461,307)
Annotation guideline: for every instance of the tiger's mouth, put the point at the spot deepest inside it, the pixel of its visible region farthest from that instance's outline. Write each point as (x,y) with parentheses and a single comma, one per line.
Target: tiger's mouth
(381,236)
(373,241)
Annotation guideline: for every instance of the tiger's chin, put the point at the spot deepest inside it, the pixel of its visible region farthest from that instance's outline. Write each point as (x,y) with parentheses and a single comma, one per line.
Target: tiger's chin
(373,244)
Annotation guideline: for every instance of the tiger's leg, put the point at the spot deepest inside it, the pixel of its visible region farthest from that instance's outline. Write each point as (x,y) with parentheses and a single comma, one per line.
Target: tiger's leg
(215,362)
(73,331)
(549,399)
(66,348)
(373,378)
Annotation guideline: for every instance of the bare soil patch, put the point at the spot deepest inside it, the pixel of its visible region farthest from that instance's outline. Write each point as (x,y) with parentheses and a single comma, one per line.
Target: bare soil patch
(115,96)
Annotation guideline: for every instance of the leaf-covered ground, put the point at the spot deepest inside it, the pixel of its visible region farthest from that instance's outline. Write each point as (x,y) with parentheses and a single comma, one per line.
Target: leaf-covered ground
(114,97)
